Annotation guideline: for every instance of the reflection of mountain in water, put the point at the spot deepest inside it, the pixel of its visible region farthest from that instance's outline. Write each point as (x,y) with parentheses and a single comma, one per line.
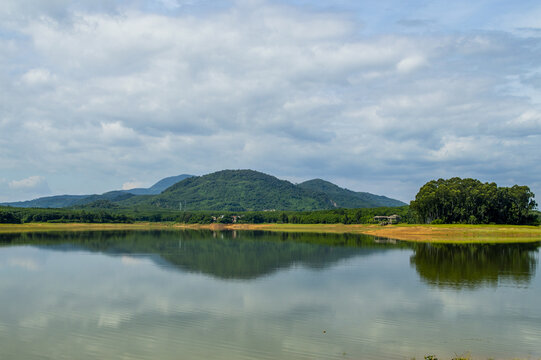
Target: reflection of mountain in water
(473,265)
(227,255)
(249,254)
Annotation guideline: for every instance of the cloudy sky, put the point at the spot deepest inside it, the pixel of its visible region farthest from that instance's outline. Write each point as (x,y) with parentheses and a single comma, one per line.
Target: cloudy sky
(379,96)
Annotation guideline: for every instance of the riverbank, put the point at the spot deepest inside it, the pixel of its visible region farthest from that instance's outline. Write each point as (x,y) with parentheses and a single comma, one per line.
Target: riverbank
(45,227)
(422,233)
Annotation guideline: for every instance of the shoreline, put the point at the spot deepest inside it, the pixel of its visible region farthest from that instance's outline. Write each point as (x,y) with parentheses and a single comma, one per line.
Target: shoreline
(404,232)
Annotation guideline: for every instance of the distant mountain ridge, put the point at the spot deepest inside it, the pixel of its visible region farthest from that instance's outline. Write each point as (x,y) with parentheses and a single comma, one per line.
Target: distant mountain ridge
(61,201)
(159,186)
(57,201)
(226,190)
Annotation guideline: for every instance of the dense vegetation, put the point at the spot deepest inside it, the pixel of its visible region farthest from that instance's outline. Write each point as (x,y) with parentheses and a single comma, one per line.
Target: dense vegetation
(470,201)
(11,215)
(238,190)
(344,198)
(115,215)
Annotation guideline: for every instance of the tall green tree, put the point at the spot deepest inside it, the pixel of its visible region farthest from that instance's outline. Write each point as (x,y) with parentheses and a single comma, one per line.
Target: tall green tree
(459,200)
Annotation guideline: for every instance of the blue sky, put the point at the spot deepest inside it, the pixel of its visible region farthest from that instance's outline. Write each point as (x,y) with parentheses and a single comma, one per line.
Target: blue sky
(374,96)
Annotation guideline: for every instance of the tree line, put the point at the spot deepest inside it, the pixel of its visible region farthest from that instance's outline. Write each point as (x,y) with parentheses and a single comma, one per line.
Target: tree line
(345,216)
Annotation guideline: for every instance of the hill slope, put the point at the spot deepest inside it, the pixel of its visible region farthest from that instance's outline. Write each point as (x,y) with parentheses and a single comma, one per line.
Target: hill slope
(345,198)
(159,186)
(236,190)
(58,201)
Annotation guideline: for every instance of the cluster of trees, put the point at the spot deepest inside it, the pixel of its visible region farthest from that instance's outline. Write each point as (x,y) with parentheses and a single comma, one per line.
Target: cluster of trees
(470,201)
(337,216)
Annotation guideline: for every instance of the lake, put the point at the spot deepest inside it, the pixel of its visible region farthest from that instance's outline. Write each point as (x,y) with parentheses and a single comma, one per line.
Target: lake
(256,295)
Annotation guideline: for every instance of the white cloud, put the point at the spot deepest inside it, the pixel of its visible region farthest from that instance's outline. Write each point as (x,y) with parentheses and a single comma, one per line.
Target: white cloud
(115,131)
(37,77)
(410,63)
(529,119)
(132,185)
(24,189)
(138,94)
(31,182)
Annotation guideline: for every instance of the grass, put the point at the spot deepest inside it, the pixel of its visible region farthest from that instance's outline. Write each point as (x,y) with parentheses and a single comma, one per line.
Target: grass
(406,232)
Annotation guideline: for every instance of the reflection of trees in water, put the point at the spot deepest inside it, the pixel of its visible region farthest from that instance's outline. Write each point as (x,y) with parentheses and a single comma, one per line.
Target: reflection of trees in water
(473,265)
(227,255)
(251,254)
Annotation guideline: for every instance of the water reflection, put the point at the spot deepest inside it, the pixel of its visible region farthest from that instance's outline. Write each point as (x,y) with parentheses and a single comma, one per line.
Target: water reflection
(473,265)
(169,295)
(252,254)
(225,255)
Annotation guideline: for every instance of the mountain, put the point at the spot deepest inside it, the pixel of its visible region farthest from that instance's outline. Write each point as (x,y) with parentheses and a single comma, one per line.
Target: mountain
(105,198)
(61,201)
(248,190)
(226,190)
(345,198)
(235,190)
(159,186)
(58,201)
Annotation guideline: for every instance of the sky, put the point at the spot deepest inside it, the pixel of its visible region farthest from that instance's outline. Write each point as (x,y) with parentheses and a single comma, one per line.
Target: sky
(379,96)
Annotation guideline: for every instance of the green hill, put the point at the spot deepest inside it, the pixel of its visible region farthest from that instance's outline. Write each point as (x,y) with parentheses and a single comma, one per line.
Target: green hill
(345,198)
(235,190)
(248,190)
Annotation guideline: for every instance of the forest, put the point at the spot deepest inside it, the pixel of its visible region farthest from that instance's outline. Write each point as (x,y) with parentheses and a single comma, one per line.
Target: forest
(11,215)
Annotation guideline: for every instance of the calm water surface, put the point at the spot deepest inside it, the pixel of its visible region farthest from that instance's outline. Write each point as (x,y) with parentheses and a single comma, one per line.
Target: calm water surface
(249,295)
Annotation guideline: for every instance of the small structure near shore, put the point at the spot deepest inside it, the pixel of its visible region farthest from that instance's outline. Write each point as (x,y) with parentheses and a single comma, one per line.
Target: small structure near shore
(384,220)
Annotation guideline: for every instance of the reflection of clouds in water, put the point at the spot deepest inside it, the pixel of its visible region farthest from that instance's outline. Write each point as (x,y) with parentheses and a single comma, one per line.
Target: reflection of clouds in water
(25,258)
(37,321)
(23,263)
(113,319)
(372,304)
(133,261)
